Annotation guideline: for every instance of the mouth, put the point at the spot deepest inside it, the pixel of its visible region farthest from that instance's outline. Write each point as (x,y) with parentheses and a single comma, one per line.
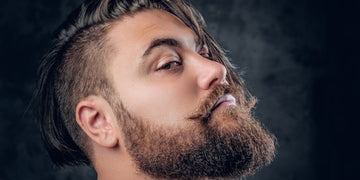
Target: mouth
(224,101)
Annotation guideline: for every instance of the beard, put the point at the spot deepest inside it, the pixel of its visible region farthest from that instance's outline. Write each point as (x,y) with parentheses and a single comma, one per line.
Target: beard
(226,144)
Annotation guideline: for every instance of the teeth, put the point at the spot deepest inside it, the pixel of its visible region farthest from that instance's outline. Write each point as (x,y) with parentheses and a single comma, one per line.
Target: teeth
(225,98)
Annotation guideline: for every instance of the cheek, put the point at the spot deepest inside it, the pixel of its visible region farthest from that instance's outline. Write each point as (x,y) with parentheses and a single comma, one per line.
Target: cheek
(163,103)
(167,99)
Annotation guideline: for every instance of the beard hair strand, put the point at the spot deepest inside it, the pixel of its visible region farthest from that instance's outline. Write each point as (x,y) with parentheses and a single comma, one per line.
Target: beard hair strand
(229,144)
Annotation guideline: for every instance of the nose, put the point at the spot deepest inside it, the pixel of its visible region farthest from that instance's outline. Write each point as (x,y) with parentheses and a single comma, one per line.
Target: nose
(210,74)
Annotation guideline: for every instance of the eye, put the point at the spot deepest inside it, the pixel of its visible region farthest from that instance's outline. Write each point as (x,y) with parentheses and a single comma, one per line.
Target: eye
(170,65)
(205,55)
(204,52)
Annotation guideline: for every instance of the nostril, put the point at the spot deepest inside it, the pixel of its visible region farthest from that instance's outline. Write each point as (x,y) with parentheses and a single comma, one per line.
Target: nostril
(213,82)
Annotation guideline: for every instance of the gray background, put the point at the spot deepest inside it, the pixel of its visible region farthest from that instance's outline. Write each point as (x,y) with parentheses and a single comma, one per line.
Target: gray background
(299,57)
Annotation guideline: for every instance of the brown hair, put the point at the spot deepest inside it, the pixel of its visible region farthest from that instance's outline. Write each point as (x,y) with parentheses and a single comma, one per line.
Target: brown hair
(73,69)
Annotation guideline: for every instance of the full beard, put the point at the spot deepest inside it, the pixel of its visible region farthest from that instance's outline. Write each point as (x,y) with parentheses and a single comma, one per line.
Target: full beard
(227,144)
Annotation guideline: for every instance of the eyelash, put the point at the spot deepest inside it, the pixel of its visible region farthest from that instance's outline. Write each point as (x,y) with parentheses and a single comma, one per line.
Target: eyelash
(204,52)
(205,55)
(170,65)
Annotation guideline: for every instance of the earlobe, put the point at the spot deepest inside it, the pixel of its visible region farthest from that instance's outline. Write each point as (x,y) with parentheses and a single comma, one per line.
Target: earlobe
(93,114)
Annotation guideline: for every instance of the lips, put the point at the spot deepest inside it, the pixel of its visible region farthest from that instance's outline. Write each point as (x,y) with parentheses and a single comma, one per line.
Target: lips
(226,99)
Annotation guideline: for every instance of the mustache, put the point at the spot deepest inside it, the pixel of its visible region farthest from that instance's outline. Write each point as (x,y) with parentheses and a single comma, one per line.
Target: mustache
(207,105)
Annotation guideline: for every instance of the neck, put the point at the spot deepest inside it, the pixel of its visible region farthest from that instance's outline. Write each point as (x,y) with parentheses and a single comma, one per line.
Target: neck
(115,164)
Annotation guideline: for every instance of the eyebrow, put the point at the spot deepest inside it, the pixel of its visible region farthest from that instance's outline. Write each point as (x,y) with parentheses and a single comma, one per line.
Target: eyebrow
(162,42)
(168,42)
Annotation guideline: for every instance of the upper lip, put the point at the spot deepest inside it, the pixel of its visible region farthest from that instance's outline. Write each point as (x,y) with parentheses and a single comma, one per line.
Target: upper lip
(224,98)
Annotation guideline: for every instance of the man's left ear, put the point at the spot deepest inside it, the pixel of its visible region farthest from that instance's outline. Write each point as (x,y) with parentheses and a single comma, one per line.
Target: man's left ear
(96,118)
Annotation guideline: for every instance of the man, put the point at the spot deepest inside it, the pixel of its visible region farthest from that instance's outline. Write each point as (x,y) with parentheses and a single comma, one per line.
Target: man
(139,90)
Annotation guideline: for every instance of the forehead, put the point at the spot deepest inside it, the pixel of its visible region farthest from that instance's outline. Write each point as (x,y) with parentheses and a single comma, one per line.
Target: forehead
(137,31)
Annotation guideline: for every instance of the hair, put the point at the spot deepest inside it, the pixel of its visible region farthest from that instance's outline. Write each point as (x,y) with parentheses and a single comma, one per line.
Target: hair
(74,69)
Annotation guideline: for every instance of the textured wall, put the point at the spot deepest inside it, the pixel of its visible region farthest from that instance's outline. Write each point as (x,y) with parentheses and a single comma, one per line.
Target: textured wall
(297,56)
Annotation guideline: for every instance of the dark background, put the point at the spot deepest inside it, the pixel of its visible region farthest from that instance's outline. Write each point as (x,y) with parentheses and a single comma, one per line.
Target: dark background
(299,57)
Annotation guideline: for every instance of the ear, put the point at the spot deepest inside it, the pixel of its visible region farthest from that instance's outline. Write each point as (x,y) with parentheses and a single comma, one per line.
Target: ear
(95,116)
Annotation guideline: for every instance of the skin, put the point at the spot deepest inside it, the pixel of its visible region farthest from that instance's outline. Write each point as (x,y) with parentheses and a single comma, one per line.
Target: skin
(145,89)
(163,87)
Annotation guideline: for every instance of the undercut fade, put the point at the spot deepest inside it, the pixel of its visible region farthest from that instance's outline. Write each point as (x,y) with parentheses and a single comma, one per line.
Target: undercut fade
(74,68)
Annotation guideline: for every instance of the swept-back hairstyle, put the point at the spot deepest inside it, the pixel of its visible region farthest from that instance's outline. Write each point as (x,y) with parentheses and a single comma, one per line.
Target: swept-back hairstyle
(74,69)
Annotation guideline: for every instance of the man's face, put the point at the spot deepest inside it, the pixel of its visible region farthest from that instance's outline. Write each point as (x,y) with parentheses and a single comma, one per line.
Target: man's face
(152,83)
(168,111)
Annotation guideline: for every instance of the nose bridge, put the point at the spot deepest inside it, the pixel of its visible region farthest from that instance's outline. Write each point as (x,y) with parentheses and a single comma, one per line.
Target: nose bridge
(210,73)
